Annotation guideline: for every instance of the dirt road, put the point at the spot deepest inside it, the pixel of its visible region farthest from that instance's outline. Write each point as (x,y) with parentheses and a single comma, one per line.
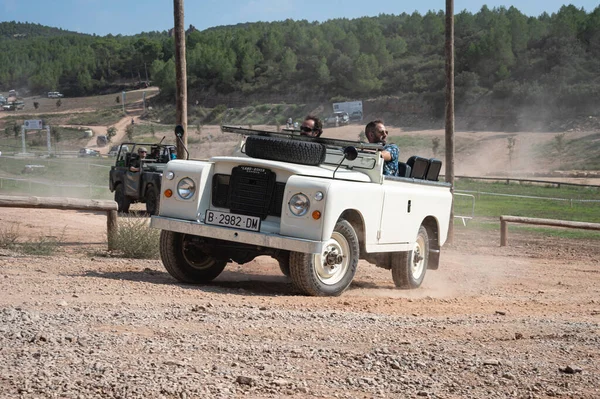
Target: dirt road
(514,322)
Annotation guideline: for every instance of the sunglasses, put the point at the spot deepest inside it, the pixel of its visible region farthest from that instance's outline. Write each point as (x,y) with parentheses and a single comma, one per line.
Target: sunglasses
(306,129)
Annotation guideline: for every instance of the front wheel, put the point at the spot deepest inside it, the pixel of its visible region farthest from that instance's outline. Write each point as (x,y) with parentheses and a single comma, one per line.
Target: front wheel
(408,268)
(185,261)
(330,272)
(152,200)
(121,199)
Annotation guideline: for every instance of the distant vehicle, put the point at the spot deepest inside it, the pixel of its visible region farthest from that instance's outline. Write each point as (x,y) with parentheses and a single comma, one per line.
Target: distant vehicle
(338,119)
(13,106)
(101,141)
(88,152)
(114,150)
(55,94)
(356,116)
(143,186)
(12,93)
(2,100)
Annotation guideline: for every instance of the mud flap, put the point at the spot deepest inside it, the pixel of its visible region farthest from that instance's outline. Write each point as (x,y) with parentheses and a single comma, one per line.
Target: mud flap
(132,184)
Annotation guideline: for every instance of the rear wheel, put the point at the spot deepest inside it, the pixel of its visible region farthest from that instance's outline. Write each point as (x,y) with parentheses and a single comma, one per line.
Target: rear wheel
(121,199)
(408,268)
(330,272)
(152,200)
(185,261)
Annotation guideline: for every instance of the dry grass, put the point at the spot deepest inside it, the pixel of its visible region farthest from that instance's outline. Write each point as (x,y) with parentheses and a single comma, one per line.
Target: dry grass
(135,239)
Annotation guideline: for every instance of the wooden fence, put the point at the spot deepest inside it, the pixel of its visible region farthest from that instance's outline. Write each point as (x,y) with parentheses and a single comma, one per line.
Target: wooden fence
(76,204)
(504,220)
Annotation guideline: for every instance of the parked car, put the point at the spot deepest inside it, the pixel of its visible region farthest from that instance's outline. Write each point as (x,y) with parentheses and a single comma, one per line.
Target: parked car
(338,119)
(54,94)
(88,152)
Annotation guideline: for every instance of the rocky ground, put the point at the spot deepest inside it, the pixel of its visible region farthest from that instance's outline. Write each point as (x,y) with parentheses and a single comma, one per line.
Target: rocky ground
(493,322)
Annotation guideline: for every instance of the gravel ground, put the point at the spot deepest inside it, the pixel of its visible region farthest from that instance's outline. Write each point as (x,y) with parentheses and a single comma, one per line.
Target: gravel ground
(515,322)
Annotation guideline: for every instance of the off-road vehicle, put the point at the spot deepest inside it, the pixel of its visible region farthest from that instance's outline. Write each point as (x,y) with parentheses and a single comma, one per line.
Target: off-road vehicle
(143,186)
(316,205)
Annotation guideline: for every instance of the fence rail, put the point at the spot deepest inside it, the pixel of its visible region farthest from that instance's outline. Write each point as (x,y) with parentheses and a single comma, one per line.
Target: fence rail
(505,219)
(76,204)
(509,179)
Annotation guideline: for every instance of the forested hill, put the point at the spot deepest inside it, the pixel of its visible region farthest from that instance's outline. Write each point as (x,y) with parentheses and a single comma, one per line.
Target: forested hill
(501,54)
(14,30)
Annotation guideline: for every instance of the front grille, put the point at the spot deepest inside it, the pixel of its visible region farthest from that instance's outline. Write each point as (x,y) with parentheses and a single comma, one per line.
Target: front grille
(249,191)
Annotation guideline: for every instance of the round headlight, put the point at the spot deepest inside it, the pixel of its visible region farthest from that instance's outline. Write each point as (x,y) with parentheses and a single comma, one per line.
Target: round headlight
(319,196)
(299,204)
(170,176)
(186,188)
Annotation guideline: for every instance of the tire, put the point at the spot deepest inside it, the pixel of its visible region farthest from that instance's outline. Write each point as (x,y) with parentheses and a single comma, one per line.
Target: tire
(121,199)
(152,200)
(312,276)
(408,268)
(188,265)
(276,149)
(284,265)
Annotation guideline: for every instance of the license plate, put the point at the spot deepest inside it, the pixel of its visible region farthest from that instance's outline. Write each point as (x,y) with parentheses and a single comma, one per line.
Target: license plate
(225,219)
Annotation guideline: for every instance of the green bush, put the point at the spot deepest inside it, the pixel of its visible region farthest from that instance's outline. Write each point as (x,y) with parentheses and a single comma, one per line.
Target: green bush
(135,239)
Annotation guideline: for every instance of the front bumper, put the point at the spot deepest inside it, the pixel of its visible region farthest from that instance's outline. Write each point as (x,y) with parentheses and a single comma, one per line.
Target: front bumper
(268,240)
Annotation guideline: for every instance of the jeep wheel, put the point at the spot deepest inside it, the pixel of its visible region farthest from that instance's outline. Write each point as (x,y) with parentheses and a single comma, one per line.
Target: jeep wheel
(152,200)
(121,199)
(186,262)
(276,149)
(330,272)
(408,268)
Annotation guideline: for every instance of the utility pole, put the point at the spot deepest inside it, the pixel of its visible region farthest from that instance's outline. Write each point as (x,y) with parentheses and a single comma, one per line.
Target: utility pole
(181,76)
(450,109)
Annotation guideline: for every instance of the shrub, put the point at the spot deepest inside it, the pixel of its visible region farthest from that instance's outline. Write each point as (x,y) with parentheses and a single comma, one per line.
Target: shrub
(135,239)
(9,236)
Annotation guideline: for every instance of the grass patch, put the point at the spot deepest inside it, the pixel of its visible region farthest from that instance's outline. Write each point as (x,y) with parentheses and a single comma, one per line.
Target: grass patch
(108,116)
(43,245)
(135,239)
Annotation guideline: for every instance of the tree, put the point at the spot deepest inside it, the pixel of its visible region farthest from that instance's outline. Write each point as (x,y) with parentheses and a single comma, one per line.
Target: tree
(111,132)
(129,130)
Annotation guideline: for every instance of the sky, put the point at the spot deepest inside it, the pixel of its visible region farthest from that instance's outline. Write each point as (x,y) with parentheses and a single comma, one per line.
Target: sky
(128,17)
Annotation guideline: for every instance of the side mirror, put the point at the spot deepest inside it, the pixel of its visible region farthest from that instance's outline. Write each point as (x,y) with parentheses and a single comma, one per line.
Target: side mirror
(179,131)
(350,153)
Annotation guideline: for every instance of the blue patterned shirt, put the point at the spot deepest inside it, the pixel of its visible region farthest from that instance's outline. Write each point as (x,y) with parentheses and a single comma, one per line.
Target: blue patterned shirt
(390,168)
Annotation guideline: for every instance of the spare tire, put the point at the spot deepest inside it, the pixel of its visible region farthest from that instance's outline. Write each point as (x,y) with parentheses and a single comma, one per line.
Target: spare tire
(276,149)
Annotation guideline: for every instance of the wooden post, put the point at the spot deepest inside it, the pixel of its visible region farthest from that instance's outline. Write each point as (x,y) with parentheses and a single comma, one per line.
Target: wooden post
(503,232)
(111,228)
(181,76)
(450,108)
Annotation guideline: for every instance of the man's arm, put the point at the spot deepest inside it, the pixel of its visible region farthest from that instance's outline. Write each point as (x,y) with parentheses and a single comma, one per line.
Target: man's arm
(390,153)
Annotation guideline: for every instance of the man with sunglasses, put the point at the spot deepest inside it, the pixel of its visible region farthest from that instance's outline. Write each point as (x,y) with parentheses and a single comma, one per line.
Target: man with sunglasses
(376,133)
(136,164)
(311,126)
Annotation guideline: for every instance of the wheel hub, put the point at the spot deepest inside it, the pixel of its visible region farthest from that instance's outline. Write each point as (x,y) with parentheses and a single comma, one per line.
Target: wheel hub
(332,264)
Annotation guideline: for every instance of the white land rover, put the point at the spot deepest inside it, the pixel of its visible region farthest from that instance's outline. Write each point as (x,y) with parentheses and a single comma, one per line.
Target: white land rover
(315,205)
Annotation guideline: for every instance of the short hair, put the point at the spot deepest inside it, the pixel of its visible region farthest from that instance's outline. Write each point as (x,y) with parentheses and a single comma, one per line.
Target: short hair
(318,124)
(142,149)
(371,125)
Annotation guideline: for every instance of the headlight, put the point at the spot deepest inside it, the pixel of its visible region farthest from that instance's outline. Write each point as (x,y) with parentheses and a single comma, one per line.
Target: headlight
(186,188)
(299,204)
